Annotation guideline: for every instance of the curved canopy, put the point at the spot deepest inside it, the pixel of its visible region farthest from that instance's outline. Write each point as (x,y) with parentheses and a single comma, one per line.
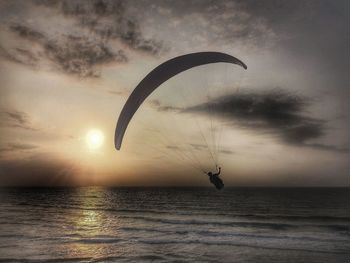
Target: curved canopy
(159,75)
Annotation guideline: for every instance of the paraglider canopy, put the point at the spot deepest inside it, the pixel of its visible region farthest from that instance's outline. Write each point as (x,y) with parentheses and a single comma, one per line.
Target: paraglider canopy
(161,74)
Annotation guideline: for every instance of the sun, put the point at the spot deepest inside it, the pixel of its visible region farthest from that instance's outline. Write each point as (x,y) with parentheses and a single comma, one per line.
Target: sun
(94,139)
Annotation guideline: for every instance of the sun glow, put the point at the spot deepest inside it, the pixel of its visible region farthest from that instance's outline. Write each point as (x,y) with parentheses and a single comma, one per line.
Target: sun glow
(94,139)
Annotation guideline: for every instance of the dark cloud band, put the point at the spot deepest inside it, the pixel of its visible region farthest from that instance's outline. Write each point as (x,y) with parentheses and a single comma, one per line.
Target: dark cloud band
(274,112)
(17,119)
(75,55)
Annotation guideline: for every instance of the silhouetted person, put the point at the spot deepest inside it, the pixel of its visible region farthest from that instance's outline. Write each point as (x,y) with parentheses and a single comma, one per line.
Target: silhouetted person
(215,179)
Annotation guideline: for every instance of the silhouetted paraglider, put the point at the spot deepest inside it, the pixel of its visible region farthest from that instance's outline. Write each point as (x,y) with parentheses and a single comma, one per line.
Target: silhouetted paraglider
(158,76)
(215,179)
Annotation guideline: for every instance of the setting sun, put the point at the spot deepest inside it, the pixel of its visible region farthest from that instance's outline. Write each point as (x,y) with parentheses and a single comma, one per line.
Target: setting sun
(94,139)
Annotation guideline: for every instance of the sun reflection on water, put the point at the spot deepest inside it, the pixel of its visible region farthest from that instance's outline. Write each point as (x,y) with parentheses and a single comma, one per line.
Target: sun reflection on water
(93,230)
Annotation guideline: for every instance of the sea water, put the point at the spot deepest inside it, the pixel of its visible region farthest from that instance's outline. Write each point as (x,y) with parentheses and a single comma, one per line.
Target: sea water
(94,224)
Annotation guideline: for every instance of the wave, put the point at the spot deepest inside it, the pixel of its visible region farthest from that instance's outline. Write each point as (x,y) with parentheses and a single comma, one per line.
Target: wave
(212,223)
(205,234)
(192,211)
(95,240)
(344,228)
(230,243)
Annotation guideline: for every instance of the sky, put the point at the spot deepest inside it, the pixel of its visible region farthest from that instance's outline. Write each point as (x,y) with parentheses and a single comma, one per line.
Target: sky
(67,68)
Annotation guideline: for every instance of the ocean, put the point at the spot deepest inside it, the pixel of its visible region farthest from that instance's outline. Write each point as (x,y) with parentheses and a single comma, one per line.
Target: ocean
(96,224)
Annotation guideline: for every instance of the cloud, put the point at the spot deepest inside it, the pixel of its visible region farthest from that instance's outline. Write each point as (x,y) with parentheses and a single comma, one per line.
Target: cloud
(20,56)
(37,171)
(275,112)
(26,32)
(17,119)
(74,55)
(110,21)
(99,33)
(226,152)
(15,146)
(156,104)
(201,24)
(169,108)
(80,55)
(132,36)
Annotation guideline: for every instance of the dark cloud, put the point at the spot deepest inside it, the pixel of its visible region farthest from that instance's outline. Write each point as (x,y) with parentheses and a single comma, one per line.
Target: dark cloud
(226,151)
(169,108)
(17,119)
(20,56)
(80,55)
(15,146)
(75,55)
(156,104)
(204,22)
(312,32)
(26,32)
(82,8)
(132,36)
(97,23)
(37,171)
(275,112)
(109,20)
(17,116)
(306,27)
(25,56)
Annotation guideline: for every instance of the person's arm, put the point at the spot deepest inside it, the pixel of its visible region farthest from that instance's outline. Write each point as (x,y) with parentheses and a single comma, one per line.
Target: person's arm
(218,171)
